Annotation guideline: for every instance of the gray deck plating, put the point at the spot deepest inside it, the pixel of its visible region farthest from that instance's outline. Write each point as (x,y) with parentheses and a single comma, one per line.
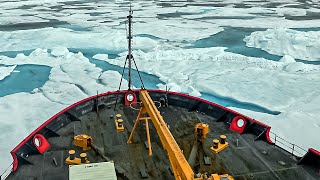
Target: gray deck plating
(248,160)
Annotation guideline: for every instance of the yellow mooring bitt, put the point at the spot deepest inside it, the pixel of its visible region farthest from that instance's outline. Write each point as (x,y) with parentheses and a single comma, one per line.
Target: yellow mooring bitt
(218,146)
(72,160)
(119,123)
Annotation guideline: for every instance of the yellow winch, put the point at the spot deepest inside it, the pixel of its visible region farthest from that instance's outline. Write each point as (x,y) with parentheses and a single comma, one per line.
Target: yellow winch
(201,130)
(83,141)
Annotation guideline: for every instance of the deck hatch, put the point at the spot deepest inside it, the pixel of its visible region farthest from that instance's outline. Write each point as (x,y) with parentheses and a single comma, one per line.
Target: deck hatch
(96,171)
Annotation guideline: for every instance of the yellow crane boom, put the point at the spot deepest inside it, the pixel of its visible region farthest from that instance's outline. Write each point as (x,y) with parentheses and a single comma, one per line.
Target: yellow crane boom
(179,164)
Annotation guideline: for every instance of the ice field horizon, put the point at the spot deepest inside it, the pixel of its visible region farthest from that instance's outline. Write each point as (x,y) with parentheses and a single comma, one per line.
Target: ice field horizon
(260,58)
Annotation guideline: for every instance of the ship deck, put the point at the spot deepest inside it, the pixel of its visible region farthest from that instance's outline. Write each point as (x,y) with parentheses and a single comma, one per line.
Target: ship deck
(245,158)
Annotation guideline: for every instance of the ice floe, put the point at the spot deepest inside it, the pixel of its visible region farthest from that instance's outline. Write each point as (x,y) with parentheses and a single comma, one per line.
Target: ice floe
(287,59)
(47,38)
(282,41)
(185,30)
(6,71)
(59,51)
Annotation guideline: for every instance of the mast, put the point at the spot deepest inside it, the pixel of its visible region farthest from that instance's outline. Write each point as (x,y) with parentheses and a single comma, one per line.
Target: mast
(129,56)
(130,60)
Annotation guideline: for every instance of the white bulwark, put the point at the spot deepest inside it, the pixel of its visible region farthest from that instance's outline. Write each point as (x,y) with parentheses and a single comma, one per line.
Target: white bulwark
(96,171)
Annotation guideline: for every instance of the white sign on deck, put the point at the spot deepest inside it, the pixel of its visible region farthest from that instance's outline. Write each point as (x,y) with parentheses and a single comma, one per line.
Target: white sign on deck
(96,171)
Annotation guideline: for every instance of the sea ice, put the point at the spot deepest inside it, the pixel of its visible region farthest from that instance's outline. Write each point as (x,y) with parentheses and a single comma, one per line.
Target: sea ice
(17,121)
(279,86)
(6,71)
(60,51)
(71,79)
(287,59)
(298,124)
(281,41)
(170,30)
(287,86)
(48,38)
(111,80)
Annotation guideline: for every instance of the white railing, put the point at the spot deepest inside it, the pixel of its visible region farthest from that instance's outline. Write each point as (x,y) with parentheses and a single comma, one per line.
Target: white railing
(288,146)
(6,172)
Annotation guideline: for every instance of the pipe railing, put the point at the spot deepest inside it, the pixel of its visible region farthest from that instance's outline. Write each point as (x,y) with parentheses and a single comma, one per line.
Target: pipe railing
(288,146)
(6,172)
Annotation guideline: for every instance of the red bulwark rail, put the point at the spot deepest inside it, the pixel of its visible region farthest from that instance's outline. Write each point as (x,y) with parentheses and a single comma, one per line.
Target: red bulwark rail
(224,108)
(13,152)
(314,151)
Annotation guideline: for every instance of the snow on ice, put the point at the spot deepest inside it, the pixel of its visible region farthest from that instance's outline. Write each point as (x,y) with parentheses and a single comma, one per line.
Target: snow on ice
(6,71)
(281,41)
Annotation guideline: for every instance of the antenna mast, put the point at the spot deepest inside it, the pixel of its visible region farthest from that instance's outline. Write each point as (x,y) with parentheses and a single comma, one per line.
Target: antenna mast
(130,59)
(129,56)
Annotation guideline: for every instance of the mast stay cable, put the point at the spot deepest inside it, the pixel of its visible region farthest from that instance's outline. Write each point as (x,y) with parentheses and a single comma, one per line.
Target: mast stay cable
(129,57)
